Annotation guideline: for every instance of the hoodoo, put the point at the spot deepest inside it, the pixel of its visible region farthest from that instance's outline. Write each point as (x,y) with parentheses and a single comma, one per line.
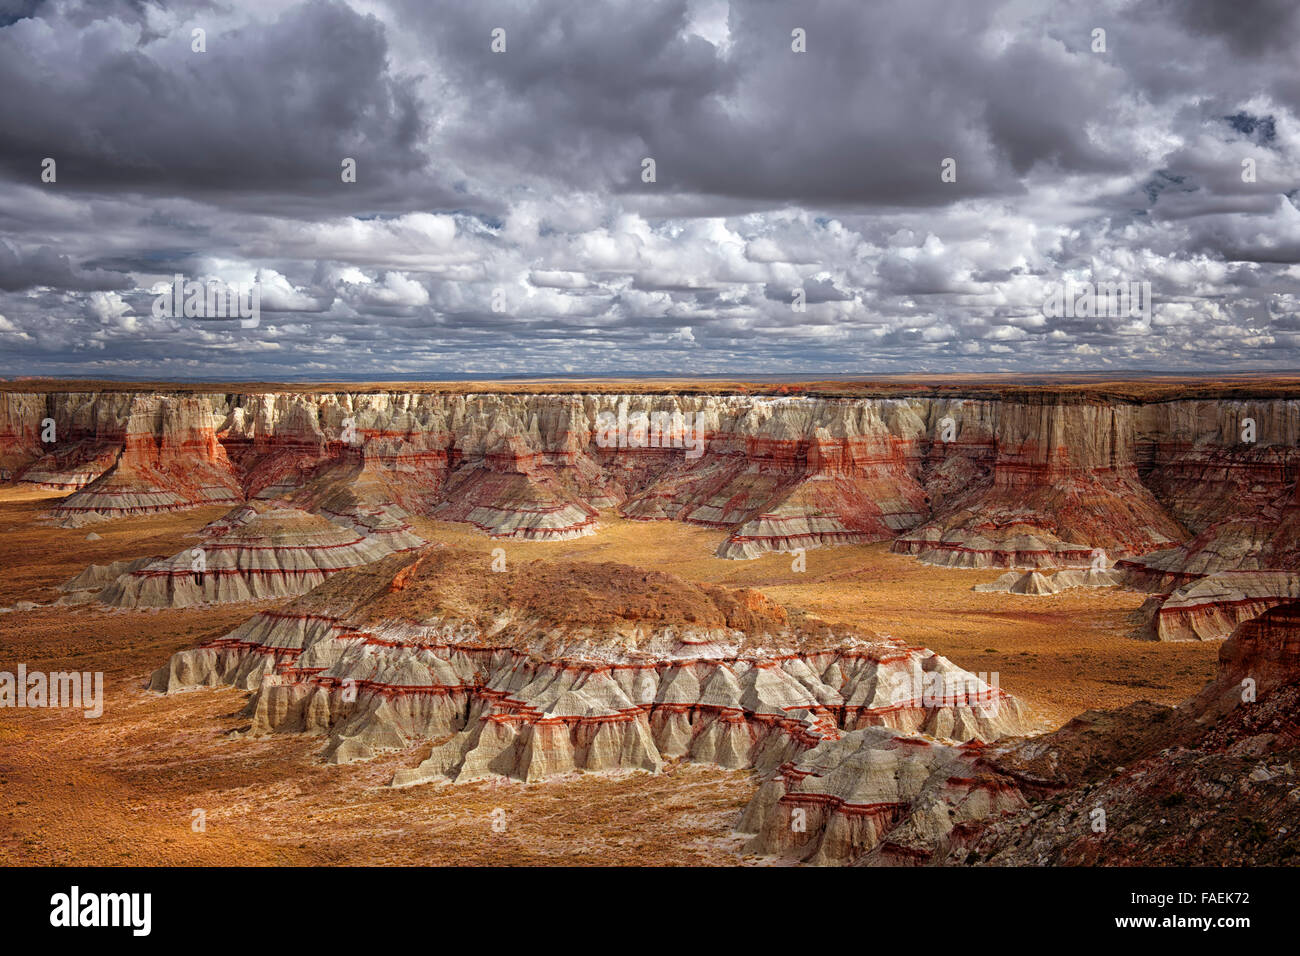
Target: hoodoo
(556,667)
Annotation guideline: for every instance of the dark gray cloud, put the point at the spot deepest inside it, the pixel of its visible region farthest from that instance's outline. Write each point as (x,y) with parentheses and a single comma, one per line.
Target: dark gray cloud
(500,224)
(269,108)
(1247,27)
(43,266)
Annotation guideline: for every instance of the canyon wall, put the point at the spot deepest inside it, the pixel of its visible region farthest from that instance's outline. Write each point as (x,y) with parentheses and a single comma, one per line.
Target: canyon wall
(1172,490)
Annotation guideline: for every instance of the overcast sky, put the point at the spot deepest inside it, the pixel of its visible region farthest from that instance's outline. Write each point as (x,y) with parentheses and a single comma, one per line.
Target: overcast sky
(520,174)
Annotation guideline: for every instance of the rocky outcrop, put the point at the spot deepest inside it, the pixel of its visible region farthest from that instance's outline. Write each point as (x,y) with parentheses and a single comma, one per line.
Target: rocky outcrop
(1211,607)
(1264,651)
(62,443)
(1208,782)
(20,429)
(1227,470)
(170,460)
(877,796)
(1210,461)
(82,587)
(1064,487)
(512,492)
(557,667)
(250,554)
(71,467)
(787,473)
(1034,582)
(827,491)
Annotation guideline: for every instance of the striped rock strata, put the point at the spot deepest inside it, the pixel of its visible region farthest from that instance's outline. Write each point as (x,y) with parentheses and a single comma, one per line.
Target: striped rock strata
(1035,582)
(1064,485)
(250,554)
(1232,570)
(170,460)
(874,796)
(1033,480)
(1211,607)
(1209,780)
(1227,471)
(556,667)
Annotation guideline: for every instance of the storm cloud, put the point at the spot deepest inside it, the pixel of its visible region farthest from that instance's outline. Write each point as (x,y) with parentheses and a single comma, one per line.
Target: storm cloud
(925,173)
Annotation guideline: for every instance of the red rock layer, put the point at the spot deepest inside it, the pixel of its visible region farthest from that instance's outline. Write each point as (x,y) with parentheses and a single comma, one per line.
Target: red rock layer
(1019,481)
(514,493)
(1064,488)
(1264,651)
(567,666)
(782,494)
(171,459)
(72,466)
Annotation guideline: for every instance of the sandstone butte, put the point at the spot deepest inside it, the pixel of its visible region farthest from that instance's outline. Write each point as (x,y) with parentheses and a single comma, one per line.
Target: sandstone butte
(1032,478)
(565,666)
(1211,782)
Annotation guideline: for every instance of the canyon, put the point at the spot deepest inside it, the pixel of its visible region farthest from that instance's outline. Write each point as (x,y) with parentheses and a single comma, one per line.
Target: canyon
(1164,491)
(447,586)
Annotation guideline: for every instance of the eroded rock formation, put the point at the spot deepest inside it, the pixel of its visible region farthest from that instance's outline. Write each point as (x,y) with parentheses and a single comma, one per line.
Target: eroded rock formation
(1170,491)
(1212,781)
(556,667)
(1064,486)
(1035,582)
(864,791)
(252,553)
(170,460)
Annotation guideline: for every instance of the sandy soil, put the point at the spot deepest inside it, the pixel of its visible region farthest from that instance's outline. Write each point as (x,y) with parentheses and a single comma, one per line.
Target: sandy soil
(123,788)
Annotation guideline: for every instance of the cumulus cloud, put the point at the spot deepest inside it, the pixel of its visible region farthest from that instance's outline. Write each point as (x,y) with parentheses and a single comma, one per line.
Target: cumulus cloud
(108,308)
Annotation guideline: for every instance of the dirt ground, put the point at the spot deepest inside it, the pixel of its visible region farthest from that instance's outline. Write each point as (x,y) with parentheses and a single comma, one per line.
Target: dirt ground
(125,787)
